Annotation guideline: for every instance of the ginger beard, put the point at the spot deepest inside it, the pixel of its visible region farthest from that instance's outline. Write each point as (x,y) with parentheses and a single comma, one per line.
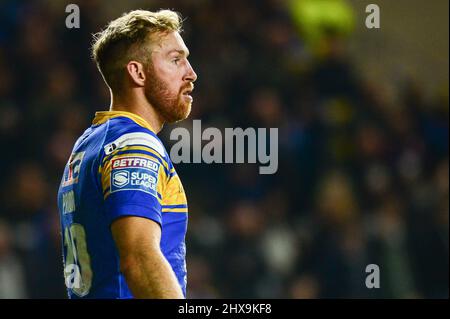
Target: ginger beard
(171,107)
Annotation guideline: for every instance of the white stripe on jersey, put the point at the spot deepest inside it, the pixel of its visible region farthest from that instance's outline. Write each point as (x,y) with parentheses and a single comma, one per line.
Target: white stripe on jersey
(138,138)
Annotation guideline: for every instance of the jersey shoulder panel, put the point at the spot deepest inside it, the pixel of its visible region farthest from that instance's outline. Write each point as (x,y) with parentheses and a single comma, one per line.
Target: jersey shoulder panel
(134,170)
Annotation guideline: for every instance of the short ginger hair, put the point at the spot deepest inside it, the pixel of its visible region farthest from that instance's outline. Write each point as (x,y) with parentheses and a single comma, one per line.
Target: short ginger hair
(129,37)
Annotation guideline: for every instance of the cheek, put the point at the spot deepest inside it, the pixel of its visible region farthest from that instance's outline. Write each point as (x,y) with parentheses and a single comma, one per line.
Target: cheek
(168,76)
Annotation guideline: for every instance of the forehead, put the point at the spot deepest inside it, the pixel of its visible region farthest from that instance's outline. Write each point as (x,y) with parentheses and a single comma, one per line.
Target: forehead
(171,42)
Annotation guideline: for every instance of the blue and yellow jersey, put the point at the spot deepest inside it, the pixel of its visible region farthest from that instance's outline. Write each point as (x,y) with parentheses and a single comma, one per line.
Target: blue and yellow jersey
(118,167)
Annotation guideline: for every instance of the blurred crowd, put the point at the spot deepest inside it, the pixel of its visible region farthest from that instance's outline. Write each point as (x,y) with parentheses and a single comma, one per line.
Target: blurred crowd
(362,178)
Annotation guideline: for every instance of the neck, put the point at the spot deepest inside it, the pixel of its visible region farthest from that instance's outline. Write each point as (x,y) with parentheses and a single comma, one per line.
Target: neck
(136,103)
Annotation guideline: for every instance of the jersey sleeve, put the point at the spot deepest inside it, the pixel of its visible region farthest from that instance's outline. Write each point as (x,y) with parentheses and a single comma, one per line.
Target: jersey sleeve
(133,175)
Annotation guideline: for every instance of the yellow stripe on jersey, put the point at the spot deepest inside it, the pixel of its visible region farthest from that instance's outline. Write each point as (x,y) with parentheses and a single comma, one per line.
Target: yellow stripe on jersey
(174,192)
(174,210)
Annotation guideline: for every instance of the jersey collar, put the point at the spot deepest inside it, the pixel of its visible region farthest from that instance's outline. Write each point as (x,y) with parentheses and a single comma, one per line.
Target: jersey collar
(103,116)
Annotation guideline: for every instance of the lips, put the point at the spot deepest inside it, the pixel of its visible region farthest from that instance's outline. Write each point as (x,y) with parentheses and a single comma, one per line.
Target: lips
(188,91)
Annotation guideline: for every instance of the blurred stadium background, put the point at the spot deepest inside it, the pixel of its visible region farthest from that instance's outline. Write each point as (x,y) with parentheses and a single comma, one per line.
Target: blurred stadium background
(363,123)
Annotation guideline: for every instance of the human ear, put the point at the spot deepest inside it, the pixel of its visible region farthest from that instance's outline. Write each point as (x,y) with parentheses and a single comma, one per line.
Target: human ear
(136,72)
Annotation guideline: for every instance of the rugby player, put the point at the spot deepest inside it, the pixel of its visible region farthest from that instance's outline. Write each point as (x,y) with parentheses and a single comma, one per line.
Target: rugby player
(122,206)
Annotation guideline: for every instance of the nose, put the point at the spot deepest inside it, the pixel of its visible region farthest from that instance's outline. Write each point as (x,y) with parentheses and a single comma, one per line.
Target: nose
(190,76)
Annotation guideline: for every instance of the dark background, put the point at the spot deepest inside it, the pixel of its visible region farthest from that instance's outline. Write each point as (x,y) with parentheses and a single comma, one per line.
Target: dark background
(363,144)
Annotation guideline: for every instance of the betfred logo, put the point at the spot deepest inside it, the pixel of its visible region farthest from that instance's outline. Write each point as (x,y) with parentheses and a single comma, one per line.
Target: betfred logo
(126,162)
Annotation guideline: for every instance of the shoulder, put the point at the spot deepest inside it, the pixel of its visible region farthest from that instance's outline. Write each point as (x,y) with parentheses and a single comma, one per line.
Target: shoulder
(127,140)
(124,132)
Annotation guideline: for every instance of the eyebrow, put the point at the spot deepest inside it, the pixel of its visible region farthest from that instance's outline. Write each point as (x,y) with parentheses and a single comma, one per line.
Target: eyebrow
(186,53)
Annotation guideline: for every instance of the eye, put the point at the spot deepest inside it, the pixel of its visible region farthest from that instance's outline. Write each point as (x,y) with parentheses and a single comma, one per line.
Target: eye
(176,60)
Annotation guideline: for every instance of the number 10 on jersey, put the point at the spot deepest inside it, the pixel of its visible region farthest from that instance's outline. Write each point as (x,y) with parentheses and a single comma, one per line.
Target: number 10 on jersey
(77,265)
